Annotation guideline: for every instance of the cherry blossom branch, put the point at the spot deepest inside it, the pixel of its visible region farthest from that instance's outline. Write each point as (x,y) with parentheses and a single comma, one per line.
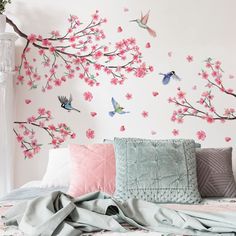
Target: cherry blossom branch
(27,136)
(207,111)
(81,50)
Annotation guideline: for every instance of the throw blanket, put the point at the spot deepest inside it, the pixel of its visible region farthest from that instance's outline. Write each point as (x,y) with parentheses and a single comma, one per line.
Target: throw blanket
(59,214)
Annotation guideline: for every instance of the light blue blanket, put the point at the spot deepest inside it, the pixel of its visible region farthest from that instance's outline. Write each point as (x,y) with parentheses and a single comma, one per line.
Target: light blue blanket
(59,214)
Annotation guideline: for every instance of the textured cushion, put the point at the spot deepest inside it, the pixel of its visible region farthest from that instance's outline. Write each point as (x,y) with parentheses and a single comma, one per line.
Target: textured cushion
(214,170)
(58,169)
(197,145)
(93,169)
(156,170)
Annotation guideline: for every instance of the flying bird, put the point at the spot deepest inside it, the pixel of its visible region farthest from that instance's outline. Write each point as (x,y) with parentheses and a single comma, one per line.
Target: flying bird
(66,103)
(117,108)
(168,76)
(143,24)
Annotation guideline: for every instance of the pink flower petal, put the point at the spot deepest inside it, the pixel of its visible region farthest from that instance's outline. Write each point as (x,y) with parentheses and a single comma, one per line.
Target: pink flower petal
(148,45)
(119,29)
(93,113)
(28,101)
(155,93)
(122,128)
(227,139)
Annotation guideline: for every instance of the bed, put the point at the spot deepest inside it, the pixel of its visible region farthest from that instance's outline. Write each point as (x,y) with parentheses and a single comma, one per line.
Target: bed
(33,190)
(98,190)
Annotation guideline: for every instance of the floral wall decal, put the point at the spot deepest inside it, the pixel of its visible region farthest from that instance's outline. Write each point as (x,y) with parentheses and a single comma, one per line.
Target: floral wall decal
(26,132)
(95,59)
(204,108)
(79,50)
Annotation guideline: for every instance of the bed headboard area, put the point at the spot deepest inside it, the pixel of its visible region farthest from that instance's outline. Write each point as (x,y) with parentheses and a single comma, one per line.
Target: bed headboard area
(129,69)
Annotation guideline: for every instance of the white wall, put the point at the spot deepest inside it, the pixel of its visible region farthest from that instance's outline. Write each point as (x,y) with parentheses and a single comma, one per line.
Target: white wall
(202,28)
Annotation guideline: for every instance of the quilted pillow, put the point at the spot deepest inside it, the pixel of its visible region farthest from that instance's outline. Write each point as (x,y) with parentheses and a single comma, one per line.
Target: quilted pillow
(214,171)
(161,171)
(93,169)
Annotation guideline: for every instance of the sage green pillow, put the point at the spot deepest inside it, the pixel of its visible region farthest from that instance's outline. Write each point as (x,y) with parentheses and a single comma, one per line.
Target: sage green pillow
(162,171)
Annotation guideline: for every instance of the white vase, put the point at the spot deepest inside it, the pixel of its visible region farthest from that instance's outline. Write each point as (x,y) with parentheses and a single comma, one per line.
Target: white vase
(2,23)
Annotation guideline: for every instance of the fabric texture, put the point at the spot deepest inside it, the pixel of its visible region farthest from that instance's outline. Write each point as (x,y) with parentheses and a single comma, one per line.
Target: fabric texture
(93,169)
(214,171)
(58,169)
(156,170)
(58,214)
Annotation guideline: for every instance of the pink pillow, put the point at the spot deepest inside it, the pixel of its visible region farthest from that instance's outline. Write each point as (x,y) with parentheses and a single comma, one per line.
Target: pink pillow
(93,169)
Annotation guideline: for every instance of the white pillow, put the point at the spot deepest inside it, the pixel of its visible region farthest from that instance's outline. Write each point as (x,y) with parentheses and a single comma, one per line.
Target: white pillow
(58,169)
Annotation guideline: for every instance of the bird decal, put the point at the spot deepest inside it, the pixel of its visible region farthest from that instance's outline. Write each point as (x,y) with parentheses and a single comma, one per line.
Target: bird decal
(117,108)
(143,24)
(66,103)
(168,76)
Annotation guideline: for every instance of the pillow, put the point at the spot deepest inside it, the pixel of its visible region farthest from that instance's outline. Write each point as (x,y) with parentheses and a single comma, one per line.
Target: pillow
(197,145)
(58,169)
(93,169)
(214,171)
(161,171)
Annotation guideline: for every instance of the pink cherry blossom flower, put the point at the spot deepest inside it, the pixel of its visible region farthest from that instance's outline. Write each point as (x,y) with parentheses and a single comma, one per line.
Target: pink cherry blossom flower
(19,138)
(175,132)
(41,111)
(189,58)
(73,135)
(205,75)
(209,119)
(181,95)
(88,96)
(32,38)
(57,82)
(201,135)
(90,134)
(145,114)
(128,96)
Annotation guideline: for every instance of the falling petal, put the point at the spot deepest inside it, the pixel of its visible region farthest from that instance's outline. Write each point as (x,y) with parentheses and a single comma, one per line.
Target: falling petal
(28,101)
(122,128)
(227,139)
(119,29)
(148,45)
(93,113)
(155,93)
(169,54)
(189,58)
(153,132)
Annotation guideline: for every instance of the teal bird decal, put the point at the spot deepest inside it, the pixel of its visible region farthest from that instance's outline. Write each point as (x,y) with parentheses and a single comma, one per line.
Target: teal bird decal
(117,108)
(143,24)
(66,103)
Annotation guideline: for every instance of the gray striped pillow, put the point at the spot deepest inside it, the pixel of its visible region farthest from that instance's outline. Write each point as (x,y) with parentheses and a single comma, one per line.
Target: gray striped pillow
(214,172)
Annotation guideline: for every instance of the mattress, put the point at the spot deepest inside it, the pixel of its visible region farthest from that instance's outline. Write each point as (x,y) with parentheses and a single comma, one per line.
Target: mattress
(29,192)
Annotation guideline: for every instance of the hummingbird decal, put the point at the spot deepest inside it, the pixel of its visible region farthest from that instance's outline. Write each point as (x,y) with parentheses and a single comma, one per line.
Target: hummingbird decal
(168,76)
(143,24)
(66,103)
(117,108)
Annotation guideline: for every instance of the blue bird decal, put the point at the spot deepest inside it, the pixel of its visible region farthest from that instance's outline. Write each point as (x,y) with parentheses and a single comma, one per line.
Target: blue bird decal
(168,76)
(117,108)
(66,103)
